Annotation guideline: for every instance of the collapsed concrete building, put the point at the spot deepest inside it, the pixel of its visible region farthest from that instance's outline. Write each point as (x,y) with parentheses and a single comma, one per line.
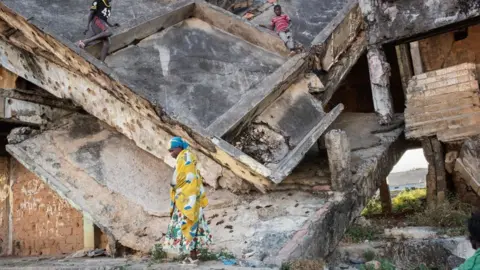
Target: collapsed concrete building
(291,148)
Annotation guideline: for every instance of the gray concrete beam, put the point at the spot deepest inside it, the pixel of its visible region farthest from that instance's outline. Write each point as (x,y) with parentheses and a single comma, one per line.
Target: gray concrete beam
(240,27)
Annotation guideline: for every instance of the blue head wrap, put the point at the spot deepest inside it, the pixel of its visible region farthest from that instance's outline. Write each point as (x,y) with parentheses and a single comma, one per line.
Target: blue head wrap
(177,142)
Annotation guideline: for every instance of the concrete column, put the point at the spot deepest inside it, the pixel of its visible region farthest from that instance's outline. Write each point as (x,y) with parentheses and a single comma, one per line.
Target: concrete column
(404,65)
(436,176)
(380,82)
(339,160)
(416,58)
(88,233)
(385,198)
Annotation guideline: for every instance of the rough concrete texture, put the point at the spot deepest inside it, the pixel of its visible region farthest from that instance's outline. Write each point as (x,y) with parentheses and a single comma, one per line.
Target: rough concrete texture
(108,264)
(194,71)
(409,254)
(375,150)
(69,18)
(276,131)
(42,222)
(107,176)
(56,65)
(396,20)
(30,112)
(276,227)
(306,25)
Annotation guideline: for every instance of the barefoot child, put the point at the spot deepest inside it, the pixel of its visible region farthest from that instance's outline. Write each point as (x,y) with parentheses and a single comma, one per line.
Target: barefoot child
(281,24)
(98,26)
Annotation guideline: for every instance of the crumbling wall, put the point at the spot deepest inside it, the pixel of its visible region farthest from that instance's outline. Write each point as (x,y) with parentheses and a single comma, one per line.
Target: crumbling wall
(442,51)
(43,223)
(402,19)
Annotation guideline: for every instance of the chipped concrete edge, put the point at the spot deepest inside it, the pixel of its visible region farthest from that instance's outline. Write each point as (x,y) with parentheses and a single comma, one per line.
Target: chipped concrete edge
(258,98)
(239,27)
(285,167)
(146,26)
(320,235)
(328,31)
(65,71)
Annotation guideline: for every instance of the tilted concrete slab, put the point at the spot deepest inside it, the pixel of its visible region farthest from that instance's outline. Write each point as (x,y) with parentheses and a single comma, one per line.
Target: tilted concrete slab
(142,112)
(196,72)
(401,21)
(125,192)
(309,18)
(69,18)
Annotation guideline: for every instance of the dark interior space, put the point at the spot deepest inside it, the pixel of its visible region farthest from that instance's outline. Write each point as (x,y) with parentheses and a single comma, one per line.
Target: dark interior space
(355,92)
(396,88)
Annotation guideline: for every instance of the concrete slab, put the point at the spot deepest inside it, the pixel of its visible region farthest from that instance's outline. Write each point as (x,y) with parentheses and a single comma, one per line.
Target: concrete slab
(195,71)
(75,157)
(124,189)
(309,18)
(69,18)
(129,100)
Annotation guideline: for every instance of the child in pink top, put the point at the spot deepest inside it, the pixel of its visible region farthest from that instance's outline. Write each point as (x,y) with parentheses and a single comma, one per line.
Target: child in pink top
(281,24)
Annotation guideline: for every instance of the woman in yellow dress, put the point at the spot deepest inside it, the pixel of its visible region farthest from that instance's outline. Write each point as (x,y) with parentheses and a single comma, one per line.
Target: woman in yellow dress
(188,230)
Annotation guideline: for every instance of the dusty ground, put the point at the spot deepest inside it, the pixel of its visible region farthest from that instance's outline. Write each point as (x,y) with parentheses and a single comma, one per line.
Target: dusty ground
(106,264)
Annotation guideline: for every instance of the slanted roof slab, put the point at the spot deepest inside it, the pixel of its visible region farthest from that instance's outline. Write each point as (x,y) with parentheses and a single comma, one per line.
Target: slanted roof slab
(129,95)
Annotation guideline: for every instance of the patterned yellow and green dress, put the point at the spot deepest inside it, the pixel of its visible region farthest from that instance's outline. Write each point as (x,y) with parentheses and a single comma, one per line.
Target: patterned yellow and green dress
(188,229)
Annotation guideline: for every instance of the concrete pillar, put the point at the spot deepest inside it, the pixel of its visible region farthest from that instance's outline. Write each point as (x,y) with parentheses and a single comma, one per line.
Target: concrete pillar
(404,65)
(88,233)
(436,176)
(380,82)
(385,198)
(339,160)
(416,58)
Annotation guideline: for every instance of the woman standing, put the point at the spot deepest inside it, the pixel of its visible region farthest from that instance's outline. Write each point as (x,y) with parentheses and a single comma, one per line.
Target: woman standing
(188,230)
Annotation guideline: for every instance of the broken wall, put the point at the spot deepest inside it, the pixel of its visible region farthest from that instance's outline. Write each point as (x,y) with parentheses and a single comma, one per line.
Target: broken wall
(442,51)
(404,19)
(42,222)
(355,93)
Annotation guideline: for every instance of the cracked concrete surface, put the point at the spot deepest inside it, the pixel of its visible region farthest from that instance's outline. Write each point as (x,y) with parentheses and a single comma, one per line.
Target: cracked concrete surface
(306,24)
(69,18)
(195,71)
(396,20)
(276,131)
(75,158)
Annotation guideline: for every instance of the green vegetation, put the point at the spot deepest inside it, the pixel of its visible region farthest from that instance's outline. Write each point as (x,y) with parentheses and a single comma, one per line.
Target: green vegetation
(450,216)
(409,200)
(303,265)
(357,233)
(369,255)
(158,254)
(207,255)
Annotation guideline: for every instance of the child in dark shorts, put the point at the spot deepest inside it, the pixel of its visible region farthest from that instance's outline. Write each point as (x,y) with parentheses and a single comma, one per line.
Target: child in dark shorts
(98,26)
